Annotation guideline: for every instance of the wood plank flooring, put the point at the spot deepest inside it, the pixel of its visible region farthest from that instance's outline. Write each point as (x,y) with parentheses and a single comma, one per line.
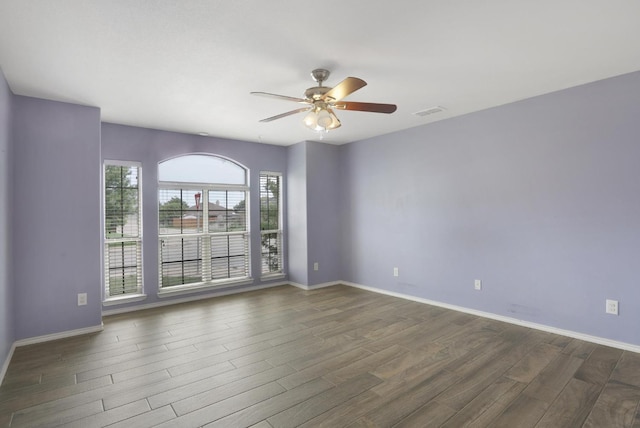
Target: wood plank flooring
(335,357)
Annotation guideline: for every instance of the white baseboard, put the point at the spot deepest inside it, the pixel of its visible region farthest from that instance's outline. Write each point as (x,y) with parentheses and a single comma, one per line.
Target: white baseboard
(581,336)
(56,336)
(587,338)
(5,366)
(191,298)
(315,286)
(45,338)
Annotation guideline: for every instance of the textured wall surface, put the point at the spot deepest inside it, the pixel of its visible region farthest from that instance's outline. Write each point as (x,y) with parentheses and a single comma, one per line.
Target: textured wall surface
(539,199)
(56,216)
(6,294)
(323,219)
(296,203)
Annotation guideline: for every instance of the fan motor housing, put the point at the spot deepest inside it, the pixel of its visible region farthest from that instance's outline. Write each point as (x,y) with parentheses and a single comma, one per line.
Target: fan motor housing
(316,93)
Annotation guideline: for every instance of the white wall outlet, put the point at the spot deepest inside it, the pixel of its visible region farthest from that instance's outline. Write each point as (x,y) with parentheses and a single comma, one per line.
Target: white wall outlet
(82,299)
(396,272)
(612,307)
(316,266)
(477,284)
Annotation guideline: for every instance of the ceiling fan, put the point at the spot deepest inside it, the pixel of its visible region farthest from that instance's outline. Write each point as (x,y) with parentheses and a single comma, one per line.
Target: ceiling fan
(322,100)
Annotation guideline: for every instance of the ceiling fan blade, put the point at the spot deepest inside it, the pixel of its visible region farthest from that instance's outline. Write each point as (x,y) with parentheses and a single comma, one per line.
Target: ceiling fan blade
(344,88)
(372,107)
(280,97)
(289,113)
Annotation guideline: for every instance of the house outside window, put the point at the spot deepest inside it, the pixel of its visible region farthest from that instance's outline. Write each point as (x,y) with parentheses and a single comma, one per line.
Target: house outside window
(202,223)
(271,223)
(122,211)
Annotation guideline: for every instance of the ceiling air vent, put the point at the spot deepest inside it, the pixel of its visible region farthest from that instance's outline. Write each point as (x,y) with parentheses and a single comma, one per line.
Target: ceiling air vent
(429,111)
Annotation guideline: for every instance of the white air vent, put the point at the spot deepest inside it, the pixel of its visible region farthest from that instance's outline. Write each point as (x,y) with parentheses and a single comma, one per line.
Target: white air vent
(431,110)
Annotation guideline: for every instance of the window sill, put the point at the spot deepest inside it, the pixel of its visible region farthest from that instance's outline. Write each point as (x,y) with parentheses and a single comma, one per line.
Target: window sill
(129,298)
(201,286)
(272,276)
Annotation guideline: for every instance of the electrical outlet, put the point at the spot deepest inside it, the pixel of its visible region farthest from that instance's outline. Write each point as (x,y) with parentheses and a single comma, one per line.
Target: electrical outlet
(396,272)
(612,307)
(82,299)
(477,284)
(316,266)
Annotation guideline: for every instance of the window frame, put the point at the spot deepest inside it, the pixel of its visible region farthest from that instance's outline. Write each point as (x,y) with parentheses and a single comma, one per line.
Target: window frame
(138,294)
(279,231)
(205,248)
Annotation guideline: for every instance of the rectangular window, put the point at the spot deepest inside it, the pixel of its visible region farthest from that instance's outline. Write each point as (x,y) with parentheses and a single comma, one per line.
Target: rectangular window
(122,229)
(271,222)
(203,236)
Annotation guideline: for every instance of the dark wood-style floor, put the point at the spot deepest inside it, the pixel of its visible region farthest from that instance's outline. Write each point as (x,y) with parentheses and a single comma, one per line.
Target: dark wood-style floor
(334,357)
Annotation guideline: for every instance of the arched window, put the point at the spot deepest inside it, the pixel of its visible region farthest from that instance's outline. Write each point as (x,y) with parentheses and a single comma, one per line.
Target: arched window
(203,222)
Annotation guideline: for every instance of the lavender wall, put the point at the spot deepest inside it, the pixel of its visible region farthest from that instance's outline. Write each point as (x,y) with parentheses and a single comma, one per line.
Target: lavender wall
(6,297)
(296,202)
(56,216)
(540,199)
(323,234)
(150,146)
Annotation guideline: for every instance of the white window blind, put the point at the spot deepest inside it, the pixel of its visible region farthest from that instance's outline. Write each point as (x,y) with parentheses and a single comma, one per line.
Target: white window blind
(122,230)
(202,229)
(271,223)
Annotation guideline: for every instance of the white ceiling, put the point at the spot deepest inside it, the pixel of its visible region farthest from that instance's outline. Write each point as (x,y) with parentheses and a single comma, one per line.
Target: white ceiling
(189,66)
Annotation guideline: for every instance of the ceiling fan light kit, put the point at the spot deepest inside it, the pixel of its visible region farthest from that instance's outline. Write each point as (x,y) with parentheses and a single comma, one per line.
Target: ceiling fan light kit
(321,120)
(322,100)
